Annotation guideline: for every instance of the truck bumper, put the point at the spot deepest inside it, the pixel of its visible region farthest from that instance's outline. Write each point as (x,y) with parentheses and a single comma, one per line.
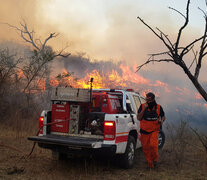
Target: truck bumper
(74,144)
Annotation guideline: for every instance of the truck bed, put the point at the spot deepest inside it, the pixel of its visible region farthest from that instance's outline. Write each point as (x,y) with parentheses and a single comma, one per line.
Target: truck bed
(66,143)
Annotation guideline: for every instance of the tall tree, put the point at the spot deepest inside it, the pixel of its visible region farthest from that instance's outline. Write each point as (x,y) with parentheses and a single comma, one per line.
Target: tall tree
(42,53)
(177,53)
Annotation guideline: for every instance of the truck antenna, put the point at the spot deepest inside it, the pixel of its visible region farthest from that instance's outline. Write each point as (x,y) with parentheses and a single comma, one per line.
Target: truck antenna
(91,86)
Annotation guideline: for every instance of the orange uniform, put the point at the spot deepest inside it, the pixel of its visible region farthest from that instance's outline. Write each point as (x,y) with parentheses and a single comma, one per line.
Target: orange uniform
(149,129)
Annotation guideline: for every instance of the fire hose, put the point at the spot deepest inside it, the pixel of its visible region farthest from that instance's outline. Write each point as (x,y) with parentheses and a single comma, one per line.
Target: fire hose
(29,154)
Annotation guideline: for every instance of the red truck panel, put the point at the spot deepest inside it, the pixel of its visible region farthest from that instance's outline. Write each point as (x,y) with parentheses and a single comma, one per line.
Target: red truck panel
(107,103)
(60,112)
(110,104)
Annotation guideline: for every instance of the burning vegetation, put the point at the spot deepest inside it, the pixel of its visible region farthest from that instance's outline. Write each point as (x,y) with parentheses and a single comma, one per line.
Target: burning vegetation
(24,82)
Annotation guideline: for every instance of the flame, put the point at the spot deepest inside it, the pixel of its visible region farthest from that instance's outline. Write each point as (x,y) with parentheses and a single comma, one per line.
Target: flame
(41,84)
(129,75)
(116,79)
(127,78)
(20,74)
(124,77)
(98,82)
(54,82)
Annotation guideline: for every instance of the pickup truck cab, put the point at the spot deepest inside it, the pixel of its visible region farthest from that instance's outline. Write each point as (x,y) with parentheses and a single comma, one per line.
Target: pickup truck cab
(102,121)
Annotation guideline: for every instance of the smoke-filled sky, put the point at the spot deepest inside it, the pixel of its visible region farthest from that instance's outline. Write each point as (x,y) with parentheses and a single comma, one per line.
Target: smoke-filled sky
(103,29)
(108,30)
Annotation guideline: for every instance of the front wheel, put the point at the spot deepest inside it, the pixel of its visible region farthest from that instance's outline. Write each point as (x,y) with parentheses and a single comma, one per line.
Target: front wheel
(161,139)
(128,157)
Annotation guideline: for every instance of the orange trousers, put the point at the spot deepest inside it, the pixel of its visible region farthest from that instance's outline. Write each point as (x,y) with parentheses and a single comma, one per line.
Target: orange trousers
(150,147)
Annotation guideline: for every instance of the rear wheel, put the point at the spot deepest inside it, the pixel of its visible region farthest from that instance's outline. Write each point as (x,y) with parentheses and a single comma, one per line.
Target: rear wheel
(59,156)
(128,157)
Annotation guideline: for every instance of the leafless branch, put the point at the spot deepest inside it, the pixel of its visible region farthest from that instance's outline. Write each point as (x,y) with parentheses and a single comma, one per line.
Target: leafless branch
(33,75)
(166,36)
(184,25)
(8,71)
(12,26)
(52,35)
(60,53)
(159,54)
(194,60)
(149,27)
(39,41)
(185,50)
(204,54)
(159,36)
(203,12)
(28,36)
(202,51)
(42,54)
(25,32)
(177,12)
(152,60)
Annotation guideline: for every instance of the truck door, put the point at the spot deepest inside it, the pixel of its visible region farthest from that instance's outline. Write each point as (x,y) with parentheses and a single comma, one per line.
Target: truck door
(124,121)
(122,131)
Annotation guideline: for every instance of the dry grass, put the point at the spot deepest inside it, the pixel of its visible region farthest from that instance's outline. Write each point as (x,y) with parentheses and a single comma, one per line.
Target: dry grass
(193,164)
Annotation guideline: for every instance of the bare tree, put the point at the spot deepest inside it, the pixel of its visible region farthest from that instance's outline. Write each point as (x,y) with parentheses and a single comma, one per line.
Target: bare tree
(176,53)
(42,53)
(8,69)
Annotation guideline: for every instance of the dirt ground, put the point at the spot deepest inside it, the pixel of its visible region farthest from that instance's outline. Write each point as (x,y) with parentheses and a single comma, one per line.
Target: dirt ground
(41,165)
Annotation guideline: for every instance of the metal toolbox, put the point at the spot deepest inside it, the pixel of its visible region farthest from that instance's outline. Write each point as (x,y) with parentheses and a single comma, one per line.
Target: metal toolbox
(70,94)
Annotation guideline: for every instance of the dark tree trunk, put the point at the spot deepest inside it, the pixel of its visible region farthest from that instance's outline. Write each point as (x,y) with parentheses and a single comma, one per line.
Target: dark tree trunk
(195,83)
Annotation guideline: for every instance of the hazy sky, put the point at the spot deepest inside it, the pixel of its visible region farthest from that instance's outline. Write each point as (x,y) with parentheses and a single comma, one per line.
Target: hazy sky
(103,29)
(109,30)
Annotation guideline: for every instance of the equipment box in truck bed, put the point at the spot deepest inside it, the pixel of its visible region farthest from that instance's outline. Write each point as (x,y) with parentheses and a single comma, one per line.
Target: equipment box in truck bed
(70,94)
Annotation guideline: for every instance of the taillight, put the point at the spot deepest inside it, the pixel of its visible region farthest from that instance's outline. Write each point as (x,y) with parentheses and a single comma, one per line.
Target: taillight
(109,130)
(130,90)
(41,120)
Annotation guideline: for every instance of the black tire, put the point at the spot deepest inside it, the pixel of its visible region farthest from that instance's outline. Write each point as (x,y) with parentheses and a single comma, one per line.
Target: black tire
(59,156)
(127,159)
(161,139)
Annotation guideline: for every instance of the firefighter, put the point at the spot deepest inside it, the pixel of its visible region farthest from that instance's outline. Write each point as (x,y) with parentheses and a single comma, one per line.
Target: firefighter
(151,117)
